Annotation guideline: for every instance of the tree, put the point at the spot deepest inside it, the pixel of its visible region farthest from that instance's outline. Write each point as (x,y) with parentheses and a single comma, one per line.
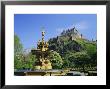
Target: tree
(68,63)
(29,61)
(18,48)
(18,61)
(92,52)
(18,58)
(81,59)
(56,60)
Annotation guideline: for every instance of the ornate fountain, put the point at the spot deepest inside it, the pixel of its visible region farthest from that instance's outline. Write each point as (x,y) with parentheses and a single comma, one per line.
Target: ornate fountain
(42,53)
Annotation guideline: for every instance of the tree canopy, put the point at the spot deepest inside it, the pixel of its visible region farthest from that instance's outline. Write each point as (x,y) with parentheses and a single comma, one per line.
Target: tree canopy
(56,60)
(21,59)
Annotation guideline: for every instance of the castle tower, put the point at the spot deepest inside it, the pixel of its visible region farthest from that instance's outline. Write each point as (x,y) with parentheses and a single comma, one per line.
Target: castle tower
(81,36)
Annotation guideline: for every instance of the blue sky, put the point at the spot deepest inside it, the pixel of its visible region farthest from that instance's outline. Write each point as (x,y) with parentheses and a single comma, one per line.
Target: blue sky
(28,27)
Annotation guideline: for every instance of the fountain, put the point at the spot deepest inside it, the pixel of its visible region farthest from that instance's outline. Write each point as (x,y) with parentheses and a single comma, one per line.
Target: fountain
(42,53)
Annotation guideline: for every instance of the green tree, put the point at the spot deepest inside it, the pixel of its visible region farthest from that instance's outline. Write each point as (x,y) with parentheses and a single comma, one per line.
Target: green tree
(18,61)
(18,48)
(92,52)
(18,58)
(68,63)
(29,61)
(81,59)
(56,60)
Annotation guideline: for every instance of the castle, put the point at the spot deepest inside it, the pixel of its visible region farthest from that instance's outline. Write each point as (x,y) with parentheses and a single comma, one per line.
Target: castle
(71,34)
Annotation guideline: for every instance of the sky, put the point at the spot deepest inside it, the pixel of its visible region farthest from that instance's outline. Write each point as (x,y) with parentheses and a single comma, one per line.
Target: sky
(28,27)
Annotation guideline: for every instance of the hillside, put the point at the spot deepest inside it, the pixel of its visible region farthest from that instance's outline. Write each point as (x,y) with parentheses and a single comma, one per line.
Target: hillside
(72,42)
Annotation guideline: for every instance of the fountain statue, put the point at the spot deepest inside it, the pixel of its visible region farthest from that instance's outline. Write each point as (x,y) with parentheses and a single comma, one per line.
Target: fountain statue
(42,53)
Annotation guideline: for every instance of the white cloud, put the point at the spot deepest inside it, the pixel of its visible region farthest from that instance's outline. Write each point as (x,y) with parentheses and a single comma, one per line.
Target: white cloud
(59,30)
(83,25)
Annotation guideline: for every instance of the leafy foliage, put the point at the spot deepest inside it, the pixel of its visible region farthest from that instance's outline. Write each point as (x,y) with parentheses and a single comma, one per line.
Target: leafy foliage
(81,59)
(29,61)
(18,48)
(21,59)
(55,59)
